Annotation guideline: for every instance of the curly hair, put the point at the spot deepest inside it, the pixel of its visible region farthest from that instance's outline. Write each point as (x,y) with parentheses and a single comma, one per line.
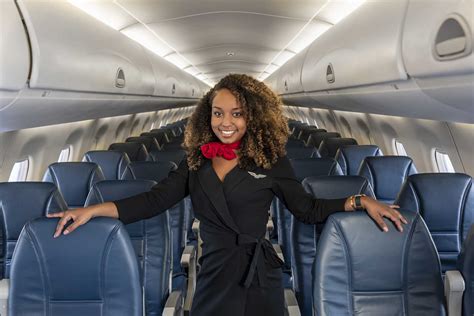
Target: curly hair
(267,129)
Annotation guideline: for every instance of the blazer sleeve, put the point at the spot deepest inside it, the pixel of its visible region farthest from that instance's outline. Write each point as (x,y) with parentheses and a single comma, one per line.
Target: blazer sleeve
(161,197)
(300,203)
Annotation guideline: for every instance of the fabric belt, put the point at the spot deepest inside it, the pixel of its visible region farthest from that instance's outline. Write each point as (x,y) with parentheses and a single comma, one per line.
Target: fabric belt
(258,266)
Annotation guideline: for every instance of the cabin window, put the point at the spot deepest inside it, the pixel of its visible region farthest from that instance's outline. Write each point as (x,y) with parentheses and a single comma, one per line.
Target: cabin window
(19,171)
(443,163)
(399,148)
(65,154)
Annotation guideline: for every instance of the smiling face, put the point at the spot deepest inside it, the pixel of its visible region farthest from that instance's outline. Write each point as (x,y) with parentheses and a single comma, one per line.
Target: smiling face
(227,117)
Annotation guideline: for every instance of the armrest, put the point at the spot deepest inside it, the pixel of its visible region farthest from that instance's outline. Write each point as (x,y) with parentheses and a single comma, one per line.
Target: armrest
(189,262)
(291,304)
(195,226)
(279,252)
(453,290)
(173,304)
(4,287)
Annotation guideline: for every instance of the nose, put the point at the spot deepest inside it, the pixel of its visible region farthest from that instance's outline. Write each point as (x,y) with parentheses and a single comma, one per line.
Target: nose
(227,120)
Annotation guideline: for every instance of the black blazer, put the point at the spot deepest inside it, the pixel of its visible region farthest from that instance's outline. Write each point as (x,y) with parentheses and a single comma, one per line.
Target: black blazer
(233,215)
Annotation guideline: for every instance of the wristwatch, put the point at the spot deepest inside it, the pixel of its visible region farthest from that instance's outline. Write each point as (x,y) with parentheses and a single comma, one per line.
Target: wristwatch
(356,201)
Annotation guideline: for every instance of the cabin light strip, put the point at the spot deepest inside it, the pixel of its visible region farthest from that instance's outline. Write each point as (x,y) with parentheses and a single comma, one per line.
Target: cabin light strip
(266,72)
(199,72)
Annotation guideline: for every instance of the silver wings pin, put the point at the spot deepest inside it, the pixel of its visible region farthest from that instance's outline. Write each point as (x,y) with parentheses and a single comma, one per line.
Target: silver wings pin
(256,175)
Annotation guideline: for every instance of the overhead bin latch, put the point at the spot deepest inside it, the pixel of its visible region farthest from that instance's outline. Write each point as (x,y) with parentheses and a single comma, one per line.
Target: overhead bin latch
(120,78)
(286,85)
(173,89)
(330,78)
(453,39)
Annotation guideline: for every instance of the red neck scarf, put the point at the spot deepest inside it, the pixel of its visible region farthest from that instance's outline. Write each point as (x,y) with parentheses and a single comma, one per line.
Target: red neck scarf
(226,151)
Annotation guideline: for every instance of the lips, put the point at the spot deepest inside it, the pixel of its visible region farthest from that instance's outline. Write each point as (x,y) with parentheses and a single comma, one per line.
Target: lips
(227,133)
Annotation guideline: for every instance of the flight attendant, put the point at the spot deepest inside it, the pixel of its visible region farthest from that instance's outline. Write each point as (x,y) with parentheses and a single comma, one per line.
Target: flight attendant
(235,165)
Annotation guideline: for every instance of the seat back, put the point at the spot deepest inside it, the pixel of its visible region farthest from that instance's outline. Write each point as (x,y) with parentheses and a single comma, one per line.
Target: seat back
(387,174)
(304,237)
(446,203)
(350,157)
(21,202)
(74,180)
(158,136)
(466,266)
(175,156)
(157,171)
(305,132)
(361,270)
(150,239)
(111,162)
(329,146)
(135,151)
(302,168)
(150,142)
(315,139)
(89,272)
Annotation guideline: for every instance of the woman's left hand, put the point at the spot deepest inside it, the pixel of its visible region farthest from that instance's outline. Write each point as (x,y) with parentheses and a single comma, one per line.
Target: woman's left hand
(378,210)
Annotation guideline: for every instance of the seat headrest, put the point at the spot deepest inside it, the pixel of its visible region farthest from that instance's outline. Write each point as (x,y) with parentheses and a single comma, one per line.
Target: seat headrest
(111,190)
(149,170)
(386,174)
(309,167)
(149,141)
(329,146)
(21,202)
(336,187)
(302,152)
(90,272)
(175,156)
(112,162)
(446,203)
(135,151)
(358,267)
(315,139)
(350,157)
(466,267)
(74,180)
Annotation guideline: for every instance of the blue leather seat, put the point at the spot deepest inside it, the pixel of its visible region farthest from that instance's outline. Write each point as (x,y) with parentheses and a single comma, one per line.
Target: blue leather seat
(446,203)
(306,131)
(89,272)
(74,180)
(150,239)
(175,156)
(135,151)
(315,139)
(329,146)
(361,270)
(302,168)
(304,237)
(466,267)
(158,136)
(19,203)
(350,157)
(111,162)
(157,171)
(386,175)
(149,142)
(302,152)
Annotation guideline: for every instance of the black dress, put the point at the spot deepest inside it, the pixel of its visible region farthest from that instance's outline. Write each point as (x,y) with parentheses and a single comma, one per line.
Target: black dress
(240,272)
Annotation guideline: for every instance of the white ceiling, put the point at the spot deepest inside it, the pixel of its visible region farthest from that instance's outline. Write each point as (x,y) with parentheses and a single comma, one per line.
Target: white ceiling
(213,38)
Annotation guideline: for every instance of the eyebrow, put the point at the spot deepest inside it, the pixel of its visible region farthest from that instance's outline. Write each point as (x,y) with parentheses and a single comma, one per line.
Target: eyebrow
(216,107)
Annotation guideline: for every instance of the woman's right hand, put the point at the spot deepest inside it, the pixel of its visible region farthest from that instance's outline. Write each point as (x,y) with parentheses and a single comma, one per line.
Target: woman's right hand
(81,216)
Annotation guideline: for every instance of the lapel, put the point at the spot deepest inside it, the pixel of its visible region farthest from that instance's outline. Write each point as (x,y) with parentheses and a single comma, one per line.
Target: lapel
(213,188)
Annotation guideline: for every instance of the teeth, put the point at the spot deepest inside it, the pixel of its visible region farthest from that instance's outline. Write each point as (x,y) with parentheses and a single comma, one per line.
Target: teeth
(227,132)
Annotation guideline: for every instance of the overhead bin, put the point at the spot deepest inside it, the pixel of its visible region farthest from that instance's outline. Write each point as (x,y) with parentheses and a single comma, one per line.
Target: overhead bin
(438,53)
(362,49)
(75,52)
(289,79)
(14,53)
